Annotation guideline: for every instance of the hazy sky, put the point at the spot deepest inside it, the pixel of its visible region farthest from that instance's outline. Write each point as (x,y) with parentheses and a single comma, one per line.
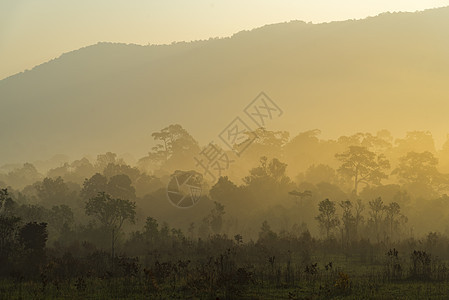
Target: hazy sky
(32,32)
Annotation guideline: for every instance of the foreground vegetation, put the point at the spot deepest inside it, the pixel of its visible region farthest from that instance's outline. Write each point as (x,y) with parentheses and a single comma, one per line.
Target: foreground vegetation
(271,268)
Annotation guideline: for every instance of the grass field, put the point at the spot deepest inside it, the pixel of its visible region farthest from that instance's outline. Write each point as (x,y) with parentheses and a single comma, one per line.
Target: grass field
(344,278)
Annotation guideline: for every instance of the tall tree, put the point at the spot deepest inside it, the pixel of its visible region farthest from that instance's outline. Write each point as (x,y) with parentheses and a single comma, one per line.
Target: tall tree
(175,144)
(112,213)
(363,166)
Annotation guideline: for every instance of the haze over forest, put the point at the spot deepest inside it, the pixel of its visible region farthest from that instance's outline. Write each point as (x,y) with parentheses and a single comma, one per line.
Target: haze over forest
(315,157)
(339,77)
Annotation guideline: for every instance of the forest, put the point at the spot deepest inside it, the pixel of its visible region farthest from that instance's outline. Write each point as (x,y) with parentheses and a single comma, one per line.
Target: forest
(363,216)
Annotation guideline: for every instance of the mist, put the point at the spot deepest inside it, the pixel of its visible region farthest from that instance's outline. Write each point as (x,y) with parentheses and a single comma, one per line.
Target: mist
(292,161)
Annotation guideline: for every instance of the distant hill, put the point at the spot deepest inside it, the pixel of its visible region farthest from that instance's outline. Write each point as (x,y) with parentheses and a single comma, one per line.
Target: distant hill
(389,71)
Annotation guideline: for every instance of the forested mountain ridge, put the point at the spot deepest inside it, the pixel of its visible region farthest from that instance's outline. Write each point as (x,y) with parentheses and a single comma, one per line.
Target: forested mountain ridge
(392,68)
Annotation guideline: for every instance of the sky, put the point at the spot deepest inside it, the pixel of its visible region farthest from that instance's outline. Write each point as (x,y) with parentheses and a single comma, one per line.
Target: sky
(33,32)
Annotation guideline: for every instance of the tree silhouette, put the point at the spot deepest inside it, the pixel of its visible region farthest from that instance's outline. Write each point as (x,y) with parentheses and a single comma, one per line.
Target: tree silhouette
(52,191)
(8,228)
(393,211)
(216,217)
(111,213)
(94,185)
(33,237)
(362,166)
(175,143)
(377,209)
(6,202)
(327,218)
(120,186)
(420,169)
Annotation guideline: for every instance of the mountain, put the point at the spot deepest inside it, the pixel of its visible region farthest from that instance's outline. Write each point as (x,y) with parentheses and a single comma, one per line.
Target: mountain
(389,71)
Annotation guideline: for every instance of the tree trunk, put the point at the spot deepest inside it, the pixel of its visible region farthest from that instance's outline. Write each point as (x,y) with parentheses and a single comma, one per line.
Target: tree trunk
(113,250)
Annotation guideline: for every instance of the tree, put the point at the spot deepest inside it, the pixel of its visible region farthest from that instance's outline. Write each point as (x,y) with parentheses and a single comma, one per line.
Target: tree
(266,235)
(52,191)
(377,209)
(8,228)
(112,170)
(379,142)
(305,149)
(363,166)
(273,171)
(111,213)
(94,185)
(327,218)
(224,190)
(267,183)
(32,213)
(216,217)
(80,169)
(347,218)
(176,147)
(420,169)
(24,176)
(120,186)
(358,219)
(151,229)
(61,217)
(418,141)
(320,173)
(393,211)
(103,160)
(33,237)
(263,142)
(6,202)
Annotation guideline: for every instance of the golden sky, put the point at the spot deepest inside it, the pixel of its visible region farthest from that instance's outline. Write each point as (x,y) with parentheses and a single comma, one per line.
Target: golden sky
(32,32)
